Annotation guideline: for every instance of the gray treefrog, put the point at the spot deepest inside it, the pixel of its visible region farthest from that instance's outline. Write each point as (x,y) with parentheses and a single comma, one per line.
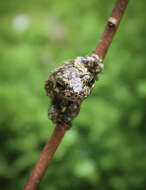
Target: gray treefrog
(69,85)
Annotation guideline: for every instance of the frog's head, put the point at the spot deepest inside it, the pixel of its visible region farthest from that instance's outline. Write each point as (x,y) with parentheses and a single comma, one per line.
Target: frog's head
(72,81)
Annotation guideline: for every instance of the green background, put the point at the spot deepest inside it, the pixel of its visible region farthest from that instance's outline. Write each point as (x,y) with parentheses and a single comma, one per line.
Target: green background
(106,147)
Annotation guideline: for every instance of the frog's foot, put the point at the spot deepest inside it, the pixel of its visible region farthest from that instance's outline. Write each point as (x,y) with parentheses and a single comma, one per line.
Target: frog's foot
(64,120)
(71,111)
(93,63)
(63,114)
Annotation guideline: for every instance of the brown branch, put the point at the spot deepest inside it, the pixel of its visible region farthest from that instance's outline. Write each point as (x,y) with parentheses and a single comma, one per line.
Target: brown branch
(50,148)
(45,158)
(111,28)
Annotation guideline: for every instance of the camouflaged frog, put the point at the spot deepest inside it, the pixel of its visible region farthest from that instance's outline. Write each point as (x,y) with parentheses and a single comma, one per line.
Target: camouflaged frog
(69,85)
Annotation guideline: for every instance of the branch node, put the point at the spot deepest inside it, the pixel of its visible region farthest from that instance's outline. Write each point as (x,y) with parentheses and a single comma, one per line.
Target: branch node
(112,22)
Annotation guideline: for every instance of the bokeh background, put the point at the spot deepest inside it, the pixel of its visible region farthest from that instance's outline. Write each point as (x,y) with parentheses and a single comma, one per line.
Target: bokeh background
(106,148)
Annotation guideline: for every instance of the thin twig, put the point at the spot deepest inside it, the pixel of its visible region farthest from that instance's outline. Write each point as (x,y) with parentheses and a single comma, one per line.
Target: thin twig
(51,146)
(45,158)
(111,28)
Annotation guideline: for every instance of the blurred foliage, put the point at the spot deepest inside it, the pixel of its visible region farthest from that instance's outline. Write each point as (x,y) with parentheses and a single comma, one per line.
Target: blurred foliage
(106,148)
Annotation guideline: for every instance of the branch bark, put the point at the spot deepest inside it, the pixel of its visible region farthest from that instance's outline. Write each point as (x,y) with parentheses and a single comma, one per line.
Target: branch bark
(51,146)
(45,158)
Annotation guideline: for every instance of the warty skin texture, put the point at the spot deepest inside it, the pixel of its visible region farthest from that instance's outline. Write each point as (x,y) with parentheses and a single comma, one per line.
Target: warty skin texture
(68,85)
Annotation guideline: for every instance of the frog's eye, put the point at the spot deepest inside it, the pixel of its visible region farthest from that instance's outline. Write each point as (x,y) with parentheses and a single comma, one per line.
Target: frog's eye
(59,85)
(91,82)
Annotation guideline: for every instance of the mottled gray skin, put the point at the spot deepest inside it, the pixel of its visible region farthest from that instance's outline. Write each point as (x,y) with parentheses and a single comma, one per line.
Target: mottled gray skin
(69,85)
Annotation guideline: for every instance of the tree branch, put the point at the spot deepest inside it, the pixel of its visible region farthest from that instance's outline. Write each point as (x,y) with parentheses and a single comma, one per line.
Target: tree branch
(45,158)
(50,148)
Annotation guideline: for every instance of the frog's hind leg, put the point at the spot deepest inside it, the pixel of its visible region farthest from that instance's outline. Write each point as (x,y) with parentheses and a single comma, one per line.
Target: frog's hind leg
(71,111)
(55,110)
(63,112)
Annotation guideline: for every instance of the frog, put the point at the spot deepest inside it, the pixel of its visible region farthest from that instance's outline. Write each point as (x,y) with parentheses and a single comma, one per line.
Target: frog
(70,84)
